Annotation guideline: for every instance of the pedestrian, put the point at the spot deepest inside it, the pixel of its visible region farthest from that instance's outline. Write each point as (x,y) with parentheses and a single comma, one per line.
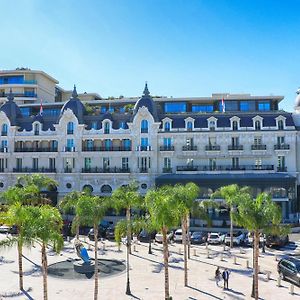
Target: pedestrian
(225,276)
(217,276)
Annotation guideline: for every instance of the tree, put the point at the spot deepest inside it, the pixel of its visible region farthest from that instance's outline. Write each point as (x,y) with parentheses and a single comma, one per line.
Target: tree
(232,195)
(18,216)
(127,197)
(165,213)
(257,215)
(46,225)
(90,211)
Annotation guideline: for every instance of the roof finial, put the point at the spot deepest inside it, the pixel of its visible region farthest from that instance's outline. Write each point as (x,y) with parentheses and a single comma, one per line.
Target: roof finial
(74,93)
(10,96)
(298,91)
(146,91)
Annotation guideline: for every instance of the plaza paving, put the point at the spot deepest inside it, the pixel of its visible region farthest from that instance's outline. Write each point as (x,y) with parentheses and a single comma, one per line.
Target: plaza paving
(147,274)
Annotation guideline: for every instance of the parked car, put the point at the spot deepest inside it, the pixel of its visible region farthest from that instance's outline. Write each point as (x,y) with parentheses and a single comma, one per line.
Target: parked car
(101,232)
(178,235)
(198,237)
(215,238)
(159,237)
(262,238)
(4,229)
(144,236)
(110,233)
(289,268)
(277,240)
(238,238)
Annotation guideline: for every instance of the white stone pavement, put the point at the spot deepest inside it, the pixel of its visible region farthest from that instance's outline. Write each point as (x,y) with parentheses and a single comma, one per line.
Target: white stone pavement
(147,276)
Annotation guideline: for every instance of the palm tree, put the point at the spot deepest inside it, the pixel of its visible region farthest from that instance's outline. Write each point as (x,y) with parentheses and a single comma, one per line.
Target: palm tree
(69,202)
(165,213)
(232,195)
(18,216)
(90,210)
(46,225)
(258,215)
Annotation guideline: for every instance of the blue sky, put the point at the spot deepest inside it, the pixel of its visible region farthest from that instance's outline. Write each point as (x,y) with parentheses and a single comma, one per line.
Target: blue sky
(181,47)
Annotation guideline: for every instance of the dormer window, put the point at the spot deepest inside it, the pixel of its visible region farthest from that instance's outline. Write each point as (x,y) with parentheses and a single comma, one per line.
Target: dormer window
(94,125)
(70,128)
(167,126)
(189,126)
(36,129)
(280,125)
(212,125)
(144,126)
(235,126)
(257,125)
(106,128)
(4,130)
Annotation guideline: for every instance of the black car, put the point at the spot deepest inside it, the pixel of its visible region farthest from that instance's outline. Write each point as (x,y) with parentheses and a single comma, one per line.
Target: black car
(110,233)
(198,237)
(144,236)
(289,268)
(277,240)
(101,233)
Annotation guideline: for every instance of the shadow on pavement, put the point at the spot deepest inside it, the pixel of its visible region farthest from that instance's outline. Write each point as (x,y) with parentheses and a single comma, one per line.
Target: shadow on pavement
(27,295)
(204,293)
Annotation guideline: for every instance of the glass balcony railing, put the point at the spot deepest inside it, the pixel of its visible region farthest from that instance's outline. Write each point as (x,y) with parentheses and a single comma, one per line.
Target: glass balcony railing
(25,95)
(16,81)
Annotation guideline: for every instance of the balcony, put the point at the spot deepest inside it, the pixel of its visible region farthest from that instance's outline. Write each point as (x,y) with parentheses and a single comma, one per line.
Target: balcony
(2,170)
(189,148)
(69,131)
(3,133)
(113,148)
(4,149)
(33,149)
(144,148)
(11,81)
(235,147)
(69,149)
(281,169)
(227,168)
(166,148)
(282,147)
(212,148)
(167,170)
(258,147)
(23,95)
(105,170)
(143,170)
(34,170)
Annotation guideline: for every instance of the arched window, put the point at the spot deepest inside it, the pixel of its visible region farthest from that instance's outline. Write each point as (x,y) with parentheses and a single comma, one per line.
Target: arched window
(235,125)
(257,125)
(106,128)
(4,130)
(280,125)
(70,128)
(167,126)
(36,129)
(144,126)
(106,189)
(189,126)
(88,189)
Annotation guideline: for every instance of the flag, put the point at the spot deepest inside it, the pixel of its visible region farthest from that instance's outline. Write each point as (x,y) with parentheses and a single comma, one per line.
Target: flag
(223,105)
(41,108)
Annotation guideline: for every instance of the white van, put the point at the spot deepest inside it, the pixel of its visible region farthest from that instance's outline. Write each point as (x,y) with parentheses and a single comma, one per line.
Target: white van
(178,235)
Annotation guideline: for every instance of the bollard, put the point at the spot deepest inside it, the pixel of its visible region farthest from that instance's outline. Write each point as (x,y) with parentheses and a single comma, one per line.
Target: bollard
(276,258)
(207,254)
(84,238)
(279,281)
(292,287)
(206,245)
(89,246)
(221,257)
(195,252)
(179,251)
(247,264)
(68,239)
(103,247)
(224,247)
(134,248)
(234,260)
(268,273)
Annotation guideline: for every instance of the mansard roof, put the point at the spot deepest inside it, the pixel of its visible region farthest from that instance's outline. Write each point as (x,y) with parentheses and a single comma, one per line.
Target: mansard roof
(11,109)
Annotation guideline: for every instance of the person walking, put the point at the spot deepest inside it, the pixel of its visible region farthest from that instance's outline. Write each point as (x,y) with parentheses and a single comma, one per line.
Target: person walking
(218,276)
(225,276)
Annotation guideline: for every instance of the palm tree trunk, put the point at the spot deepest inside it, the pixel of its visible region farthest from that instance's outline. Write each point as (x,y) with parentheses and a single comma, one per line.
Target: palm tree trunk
(128,292)
(183,226)
(166,263)
(231,227)
(44,271)
(128,229)
(149,248)
(256,254)
(96,262)
(20,265)
(188,235)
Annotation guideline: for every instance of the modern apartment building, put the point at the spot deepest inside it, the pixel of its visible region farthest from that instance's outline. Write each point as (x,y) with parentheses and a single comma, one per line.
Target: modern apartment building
(87,141)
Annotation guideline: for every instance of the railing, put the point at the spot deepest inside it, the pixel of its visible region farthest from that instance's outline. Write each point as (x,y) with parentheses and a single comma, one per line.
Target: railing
(212,148)
(2,170)
(32,149)
(4,149)
(144,148)
(281,169)
(29,95)
(70,131)
(167,170)
(235,147)
(34,170)
(144,130)
(258,147)
(227,168)
(166,148)
(113,148)
(189,148)
(282,147)
(18,81)
(68,170)
(143,170)
(4,133)
(105,170)
(69,149)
